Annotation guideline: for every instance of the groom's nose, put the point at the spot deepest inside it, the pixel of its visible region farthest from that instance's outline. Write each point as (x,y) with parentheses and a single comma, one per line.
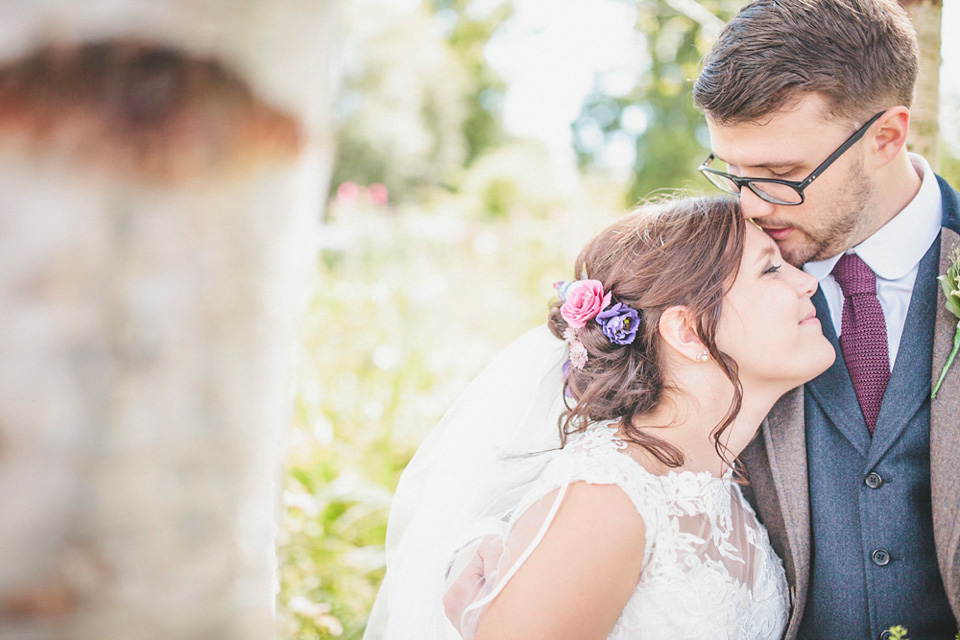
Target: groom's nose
(753,206)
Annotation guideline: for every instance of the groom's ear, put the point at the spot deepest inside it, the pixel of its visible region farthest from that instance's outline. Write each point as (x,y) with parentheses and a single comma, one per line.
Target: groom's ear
(678,332)
(890,136)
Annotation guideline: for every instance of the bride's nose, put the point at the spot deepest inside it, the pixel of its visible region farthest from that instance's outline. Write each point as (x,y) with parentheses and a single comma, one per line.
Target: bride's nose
(806,284)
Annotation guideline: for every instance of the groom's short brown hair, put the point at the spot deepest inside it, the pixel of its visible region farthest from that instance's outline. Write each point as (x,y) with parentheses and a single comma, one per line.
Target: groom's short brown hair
(861,55)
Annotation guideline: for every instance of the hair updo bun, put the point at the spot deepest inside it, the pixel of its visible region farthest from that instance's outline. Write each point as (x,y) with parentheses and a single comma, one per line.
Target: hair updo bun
(682,252)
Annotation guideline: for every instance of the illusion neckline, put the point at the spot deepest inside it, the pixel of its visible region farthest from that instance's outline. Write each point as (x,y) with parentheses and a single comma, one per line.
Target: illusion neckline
(702,477)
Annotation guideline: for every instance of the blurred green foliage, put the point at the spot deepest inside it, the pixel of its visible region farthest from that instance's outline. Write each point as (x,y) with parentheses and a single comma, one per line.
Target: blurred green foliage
(410,305)
(403,103)
(672,139)
(468,34)
(419,103)
(949,166)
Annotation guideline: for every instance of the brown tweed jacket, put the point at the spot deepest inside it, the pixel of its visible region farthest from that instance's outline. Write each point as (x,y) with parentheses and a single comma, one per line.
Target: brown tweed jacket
(776,464)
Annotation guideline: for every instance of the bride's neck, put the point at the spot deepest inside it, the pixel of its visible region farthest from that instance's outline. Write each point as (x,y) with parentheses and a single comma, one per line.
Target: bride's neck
(688,415)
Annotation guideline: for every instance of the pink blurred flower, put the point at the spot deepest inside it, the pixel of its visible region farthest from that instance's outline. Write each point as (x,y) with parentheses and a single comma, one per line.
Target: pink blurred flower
(347,192)
(378,194)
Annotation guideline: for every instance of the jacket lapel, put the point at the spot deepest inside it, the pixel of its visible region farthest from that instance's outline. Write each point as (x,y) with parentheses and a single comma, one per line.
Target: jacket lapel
(785,442)
(945,437)
(833,390)
(906,393)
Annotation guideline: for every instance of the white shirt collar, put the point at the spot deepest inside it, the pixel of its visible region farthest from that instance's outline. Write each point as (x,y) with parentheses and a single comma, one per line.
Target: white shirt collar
(898,246)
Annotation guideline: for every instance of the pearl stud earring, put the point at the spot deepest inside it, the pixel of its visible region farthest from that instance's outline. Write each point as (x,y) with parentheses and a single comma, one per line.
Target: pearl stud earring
(703,357)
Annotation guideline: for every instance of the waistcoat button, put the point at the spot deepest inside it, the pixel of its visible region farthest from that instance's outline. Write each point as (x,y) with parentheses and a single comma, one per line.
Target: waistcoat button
(873,480)
(885,635)
(880,557)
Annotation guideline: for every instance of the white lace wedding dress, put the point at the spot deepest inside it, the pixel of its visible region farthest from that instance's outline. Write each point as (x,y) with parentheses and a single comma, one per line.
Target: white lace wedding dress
(708,569)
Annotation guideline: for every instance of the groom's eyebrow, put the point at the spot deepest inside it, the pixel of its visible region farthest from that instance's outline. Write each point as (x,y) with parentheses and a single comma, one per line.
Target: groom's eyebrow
(776,164)
(766,164)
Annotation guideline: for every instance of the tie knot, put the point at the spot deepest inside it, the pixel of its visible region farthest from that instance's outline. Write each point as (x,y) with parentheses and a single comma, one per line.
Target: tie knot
(854,276)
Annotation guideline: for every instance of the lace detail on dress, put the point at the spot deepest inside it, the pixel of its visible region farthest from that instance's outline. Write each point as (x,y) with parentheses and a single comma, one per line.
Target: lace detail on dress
(708,571)
(597,439)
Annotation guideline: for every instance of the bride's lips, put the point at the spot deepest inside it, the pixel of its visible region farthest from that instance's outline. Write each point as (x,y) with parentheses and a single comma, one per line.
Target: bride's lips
(811,318)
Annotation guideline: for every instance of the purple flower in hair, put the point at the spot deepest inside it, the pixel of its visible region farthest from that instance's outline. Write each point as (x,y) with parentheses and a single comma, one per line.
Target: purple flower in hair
(620,323)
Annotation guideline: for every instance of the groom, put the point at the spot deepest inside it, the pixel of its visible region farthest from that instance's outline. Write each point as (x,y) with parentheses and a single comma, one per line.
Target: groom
(857,473)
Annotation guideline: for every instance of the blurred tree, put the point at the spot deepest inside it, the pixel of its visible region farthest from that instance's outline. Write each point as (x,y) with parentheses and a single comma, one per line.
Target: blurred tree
(924,118)
(161,168)
(468,33)
(403,102)
(419,102)
(668,133)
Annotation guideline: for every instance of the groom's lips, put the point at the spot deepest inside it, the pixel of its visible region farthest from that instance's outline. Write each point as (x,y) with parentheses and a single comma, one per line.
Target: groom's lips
(778,233)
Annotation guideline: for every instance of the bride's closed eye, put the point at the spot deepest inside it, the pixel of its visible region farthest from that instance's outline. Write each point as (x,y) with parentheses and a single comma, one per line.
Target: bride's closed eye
(773,268)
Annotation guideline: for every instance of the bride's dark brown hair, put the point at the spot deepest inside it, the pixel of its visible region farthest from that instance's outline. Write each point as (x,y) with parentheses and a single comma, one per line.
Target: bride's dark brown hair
(682,252)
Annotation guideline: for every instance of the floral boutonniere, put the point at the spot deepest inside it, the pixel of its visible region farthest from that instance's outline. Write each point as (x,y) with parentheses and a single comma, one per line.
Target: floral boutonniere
(950,283)
(899,632)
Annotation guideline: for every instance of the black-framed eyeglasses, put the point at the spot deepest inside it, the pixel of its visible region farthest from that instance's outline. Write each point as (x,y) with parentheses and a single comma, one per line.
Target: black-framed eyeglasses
(785,192)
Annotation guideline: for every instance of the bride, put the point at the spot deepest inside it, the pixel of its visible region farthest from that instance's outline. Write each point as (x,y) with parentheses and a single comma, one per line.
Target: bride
(682,329)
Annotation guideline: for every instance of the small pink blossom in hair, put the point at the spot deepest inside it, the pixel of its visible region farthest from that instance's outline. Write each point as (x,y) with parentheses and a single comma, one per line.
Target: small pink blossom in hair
(583,300)
(578,352)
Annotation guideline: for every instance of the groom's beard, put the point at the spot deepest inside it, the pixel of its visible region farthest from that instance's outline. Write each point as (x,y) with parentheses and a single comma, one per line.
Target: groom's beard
(844,221)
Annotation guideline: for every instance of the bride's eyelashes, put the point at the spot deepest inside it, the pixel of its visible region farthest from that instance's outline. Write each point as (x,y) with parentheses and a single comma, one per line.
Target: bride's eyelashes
(773,268)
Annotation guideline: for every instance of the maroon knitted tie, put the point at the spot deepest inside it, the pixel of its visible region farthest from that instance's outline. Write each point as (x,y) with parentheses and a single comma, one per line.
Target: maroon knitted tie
(863,335)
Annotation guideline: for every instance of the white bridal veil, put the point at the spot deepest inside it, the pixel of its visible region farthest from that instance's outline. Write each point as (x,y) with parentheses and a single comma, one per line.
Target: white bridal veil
(477,473)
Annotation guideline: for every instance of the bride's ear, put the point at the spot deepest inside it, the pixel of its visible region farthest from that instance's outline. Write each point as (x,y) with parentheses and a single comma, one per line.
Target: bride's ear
(677,332)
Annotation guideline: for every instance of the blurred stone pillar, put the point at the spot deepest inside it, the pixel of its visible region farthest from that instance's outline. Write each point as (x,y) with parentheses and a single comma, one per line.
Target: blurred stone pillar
(162,169)
(924,135)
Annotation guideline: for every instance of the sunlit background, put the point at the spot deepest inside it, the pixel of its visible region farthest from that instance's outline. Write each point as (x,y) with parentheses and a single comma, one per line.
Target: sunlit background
(481,143)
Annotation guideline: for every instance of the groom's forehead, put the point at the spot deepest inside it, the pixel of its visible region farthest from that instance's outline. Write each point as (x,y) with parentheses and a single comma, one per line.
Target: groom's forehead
(780,139)
(761,147)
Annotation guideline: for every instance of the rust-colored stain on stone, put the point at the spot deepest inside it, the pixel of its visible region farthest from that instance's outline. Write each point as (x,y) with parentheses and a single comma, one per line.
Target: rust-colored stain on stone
(52,600)
(152,111)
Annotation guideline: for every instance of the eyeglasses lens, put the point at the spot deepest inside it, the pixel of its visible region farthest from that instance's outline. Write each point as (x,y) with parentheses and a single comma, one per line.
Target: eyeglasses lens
(769,191)
(723,183)
(776,193)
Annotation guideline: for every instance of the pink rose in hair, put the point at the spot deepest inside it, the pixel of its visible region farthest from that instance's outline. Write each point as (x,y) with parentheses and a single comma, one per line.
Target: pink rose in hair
(584,299)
